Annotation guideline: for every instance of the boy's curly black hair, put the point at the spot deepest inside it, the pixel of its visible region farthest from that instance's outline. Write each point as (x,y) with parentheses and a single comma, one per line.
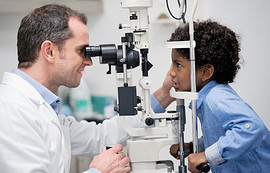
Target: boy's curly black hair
(216,45)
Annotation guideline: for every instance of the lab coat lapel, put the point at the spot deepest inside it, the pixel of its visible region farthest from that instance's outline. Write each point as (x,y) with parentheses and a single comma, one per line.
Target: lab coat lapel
(30,92)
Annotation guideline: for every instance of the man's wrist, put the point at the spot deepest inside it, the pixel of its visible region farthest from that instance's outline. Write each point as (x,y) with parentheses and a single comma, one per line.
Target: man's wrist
(92,170)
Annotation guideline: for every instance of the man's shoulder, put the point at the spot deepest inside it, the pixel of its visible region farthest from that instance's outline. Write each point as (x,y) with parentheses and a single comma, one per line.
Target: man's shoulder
(16,86)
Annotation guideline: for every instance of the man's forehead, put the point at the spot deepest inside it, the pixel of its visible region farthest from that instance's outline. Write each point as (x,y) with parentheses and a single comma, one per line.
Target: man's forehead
(79,30)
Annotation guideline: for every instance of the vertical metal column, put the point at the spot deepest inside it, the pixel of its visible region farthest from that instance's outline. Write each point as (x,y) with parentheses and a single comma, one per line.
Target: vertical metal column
(203,167)
(193,78)
(180,108)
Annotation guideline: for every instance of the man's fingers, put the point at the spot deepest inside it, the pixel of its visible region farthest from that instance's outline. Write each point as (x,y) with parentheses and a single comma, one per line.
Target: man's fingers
(125,161)
(117,148)
(103,149)
(127,169)
(121,155)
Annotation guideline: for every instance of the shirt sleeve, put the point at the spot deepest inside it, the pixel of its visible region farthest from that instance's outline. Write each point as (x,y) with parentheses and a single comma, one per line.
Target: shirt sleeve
(213,156)
(88,138)
(156,106)
(239,129)
(92,170)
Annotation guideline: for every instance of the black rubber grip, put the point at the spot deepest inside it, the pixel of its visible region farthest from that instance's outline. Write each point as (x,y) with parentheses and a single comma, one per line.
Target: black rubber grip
(204,167)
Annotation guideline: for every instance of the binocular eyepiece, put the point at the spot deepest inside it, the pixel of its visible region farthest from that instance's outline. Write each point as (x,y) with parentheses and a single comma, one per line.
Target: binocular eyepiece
(109,54)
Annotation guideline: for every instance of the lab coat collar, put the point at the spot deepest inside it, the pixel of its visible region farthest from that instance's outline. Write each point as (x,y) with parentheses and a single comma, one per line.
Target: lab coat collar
(23,87)
(47,95)
(30,92)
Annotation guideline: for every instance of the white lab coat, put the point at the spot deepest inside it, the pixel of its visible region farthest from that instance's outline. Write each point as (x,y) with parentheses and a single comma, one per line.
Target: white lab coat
(34,139)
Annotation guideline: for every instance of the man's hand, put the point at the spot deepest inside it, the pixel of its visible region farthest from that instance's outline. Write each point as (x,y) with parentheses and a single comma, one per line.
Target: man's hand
(111,160)
(195,160)
(188,147)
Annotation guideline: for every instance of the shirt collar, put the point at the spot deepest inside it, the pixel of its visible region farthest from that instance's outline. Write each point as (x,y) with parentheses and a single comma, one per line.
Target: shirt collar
(204,91)
(52,99)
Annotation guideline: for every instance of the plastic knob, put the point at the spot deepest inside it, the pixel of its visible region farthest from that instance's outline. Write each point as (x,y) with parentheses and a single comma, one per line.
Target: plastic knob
(149,121)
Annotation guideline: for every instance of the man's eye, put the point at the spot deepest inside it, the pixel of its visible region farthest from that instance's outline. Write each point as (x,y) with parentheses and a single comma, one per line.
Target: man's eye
(81,51)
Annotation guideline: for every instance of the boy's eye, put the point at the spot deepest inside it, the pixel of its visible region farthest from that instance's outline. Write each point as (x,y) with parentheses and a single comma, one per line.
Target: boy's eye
(178,65)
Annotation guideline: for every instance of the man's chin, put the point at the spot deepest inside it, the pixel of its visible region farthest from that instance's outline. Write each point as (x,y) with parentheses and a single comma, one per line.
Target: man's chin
(73,85)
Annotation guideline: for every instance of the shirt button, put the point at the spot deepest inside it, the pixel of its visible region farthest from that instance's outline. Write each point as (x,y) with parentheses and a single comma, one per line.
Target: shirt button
(199,114)
(247,126)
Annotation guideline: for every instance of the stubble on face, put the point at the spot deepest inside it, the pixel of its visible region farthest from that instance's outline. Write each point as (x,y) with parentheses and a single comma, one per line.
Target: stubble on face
(70,65)
(67,75)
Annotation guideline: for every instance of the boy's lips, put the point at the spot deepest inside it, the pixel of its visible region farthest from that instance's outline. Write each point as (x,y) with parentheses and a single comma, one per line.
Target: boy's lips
(176,89)
(175,84)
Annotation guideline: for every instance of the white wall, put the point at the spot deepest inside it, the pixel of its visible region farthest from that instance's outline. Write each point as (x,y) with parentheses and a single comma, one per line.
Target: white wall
(250,19)
(9,24)
(246,17)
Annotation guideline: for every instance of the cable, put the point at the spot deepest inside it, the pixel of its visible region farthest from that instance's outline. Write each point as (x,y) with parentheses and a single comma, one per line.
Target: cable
(183,13)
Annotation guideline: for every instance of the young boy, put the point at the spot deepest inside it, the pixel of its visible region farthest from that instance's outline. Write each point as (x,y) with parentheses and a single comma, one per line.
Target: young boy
(235,138)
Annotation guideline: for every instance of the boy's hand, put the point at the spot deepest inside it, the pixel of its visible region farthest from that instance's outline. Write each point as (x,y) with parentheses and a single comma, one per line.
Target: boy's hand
(163,93)
(188,147)
(194,160)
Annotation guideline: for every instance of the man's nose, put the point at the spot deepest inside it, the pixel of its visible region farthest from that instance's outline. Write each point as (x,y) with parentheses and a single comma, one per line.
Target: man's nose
(87,61)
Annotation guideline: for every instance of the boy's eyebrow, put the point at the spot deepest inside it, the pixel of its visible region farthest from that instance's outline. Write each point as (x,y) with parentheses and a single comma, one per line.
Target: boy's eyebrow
(179,59)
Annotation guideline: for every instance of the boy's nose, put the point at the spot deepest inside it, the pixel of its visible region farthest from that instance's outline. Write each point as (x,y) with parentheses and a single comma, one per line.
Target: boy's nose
(172,73)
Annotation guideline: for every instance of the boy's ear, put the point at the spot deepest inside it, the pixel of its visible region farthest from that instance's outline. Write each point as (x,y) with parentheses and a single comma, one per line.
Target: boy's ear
(47,51)
(207,71)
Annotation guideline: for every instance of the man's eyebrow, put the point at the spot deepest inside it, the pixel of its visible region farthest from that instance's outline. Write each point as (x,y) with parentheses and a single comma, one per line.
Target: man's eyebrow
(81,46)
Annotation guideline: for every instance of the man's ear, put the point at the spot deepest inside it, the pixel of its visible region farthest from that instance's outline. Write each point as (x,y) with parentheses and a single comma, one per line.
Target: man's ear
(207,71)
(47,51)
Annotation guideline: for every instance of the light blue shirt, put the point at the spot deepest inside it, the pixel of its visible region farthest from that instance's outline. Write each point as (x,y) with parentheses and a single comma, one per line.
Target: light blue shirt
(235,138)
(47,95)
(92,170)
(156,106)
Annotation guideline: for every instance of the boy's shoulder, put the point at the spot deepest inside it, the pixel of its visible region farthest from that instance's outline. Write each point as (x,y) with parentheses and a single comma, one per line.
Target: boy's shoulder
(219,92)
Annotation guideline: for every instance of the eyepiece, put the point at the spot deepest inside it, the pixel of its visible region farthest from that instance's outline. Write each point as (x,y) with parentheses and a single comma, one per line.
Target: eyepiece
(92,51)
(112,55)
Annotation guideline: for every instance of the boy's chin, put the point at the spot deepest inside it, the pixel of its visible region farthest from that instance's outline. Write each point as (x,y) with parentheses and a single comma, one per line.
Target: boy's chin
(181,90)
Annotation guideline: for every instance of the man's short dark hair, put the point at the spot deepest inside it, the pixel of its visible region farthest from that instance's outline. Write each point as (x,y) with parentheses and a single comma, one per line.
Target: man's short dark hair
(49,22)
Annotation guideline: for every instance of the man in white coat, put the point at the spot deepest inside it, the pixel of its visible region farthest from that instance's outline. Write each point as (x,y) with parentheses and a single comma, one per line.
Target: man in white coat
(33,137)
